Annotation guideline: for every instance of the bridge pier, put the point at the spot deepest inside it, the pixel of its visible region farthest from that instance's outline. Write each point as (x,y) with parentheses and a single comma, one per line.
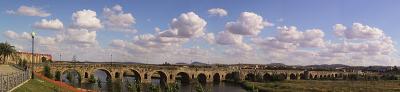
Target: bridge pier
(287,77)
(298,76)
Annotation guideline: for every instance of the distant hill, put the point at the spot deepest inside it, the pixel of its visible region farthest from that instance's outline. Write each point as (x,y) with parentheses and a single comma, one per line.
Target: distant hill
(277,64)
(108,62)
(181,63)
(328,66)
(130,63)
(198,63)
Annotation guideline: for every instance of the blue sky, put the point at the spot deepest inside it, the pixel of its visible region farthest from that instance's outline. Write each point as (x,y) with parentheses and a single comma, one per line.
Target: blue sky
(149,14)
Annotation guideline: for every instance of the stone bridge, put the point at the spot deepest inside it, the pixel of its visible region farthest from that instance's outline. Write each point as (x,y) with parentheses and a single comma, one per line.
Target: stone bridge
(144,73)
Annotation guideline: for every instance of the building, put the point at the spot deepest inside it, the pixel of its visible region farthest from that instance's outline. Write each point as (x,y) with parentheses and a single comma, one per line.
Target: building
(28,57)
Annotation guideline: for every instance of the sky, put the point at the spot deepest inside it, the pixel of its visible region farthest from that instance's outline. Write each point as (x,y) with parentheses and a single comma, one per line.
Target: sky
(306,32)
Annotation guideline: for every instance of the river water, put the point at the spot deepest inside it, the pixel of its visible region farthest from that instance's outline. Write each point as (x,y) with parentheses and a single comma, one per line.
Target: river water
(104,86)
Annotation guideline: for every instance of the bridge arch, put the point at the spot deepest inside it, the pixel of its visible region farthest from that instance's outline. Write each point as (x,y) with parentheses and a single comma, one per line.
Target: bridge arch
(160,75)
(101,72)
(267,77)
(283,75)
(250,77)
(310,76)
(202,78)
(132,73)
(69,70)
(303,76)
(292,76)
(182,77)
(216,78)
(228,76)
(71,76)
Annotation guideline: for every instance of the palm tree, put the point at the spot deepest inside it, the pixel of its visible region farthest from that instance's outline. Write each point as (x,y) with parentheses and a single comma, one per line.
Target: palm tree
(6,50)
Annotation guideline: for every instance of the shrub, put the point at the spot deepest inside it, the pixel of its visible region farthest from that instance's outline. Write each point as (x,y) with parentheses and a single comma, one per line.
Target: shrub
(46,72)
(173,87)
(58,75)
(92,79)
(154,88)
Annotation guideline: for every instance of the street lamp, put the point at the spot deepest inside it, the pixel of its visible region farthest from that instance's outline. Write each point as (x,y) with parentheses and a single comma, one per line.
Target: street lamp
(111,60)
(33,34)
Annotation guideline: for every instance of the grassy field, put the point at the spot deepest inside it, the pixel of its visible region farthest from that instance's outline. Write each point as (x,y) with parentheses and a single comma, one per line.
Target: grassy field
(328,86)
(38,85)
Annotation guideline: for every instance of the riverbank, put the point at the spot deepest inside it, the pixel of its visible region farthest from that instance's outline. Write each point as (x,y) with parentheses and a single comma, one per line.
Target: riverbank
(44,84)
(38,85)
(323,86)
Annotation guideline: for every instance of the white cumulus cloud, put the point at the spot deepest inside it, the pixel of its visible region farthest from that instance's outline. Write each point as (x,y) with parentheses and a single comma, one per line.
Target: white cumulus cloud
(218,12)
(86,19)
(248,23)
(16,36)
(118,43)
(189,25)
(227,38)
(55,24)
(29,11)
(117,20)
(289,34)
(209,37)
(358,31)
(313,38)
(81,37)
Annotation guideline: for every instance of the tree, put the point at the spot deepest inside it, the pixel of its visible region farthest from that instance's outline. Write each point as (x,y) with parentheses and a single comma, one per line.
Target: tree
(46,72)
(154,88)
(70,77)
(20,62)
(58,75)
(92,79)
(25,63)
(277,77)
(259,78)
(44,60)
(395,68)
(131,86)
(173,87)
(109,84)
(99,84)
(6,50)
(198,87)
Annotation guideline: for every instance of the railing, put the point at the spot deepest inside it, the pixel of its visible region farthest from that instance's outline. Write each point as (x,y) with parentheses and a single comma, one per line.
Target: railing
(11,80)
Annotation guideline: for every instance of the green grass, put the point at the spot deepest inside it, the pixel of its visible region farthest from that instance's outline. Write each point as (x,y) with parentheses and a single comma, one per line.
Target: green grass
(329,86)
(38,85)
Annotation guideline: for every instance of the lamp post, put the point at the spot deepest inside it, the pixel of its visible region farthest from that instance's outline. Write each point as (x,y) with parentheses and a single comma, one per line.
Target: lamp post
(111,61)
(33,34)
